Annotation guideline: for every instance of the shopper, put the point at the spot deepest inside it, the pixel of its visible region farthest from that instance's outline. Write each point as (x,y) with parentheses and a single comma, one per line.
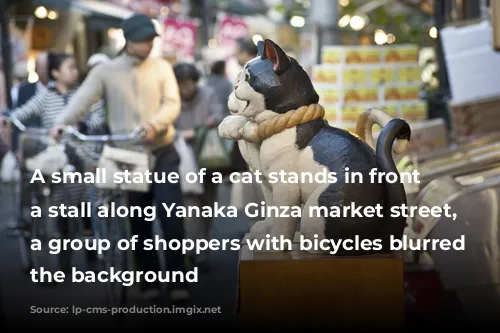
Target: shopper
(140,91)
(200,107)
(89,223)
(46,105)
(20,76)
(220,84)
(27,90)
(246,50)
(93,61)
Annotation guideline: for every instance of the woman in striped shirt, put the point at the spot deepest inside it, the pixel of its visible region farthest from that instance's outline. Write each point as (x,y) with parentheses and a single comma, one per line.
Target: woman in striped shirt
(47,105)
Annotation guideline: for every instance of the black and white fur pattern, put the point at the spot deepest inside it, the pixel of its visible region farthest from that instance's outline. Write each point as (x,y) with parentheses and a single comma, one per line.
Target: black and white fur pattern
(273,84)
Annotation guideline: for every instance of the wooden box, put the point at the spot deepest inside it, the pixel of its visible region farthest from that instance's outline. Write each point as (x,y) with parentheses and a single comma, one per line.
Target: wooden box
(297,288)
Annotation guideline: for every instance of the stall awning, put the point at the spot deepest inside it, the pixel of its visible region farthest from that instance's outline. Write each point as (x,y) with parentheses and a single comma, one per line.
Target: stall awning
(102,9)
(53,4)
(101,15)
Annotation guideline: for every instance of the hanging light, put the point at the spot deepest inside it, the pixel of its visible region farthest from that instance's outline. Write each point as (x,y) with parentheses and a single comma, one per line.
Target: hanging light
(357,23)
(391,38)
(53,15)
(297,21)
(380,37)
(41,12)
(344,21)
(33,77)
(433,32)
(257,38)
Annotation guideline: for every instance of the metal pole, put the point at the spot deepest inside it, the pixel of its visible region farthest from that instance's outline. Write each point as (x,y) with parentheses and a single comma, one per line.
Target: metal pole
(440,17)
(324,14)
(206,15)
(6,51)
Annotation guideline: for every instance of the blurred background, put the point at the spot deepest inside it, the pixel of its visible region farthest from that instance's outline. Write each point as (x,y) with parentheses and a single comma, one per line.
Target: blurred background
(432,63)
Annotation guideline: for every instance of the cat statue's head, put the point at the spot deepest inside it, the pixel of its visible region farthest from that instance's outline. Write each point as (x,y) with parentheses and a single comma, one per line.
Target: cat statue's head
(272,81)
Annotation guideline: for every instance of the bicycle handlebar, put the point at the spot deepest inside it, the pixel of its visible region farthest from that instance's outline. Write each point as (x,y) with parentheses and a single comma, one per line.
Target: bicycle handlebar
(136,135)
(20,126)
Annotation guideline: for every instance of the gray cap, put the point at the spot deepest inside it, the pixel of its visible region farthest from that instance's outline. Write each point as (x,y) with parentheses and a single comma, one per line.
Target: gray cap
(138,28)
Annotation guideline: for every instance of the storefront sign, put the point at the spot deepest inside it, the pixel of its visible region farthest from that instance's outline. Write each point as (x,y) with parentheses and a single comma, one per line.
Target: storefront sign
(179,38)
(229,29)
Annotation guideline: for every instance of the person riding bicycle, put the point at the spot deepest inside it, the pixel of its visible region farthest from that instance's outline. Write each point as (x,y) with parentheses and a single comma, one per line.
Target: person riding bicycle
(141,91)
(46,105)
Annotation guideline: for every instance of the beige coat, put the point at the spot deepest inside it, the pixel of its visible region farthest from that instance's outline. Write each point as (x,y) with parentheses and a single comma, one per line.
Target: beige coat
(136,93)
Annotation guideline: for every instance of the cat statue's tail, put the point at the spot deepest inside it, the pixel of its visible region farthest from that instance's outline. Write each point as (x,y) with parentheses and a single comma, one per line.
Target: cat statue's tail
(395,129)
(364,128)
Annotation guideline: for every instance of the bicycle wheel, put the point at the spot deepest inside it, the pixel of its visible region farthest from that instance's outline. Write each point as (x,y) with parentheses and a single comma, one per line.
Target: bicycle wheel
(24,248)
(45,229)
(100,229)
(24,225)
(117,229)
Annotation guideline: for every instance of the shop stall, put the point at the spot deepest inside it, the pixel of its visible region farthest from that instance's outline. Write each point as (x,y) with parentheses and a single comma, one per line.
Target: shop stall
(460,168)
(466,174)
(473,273)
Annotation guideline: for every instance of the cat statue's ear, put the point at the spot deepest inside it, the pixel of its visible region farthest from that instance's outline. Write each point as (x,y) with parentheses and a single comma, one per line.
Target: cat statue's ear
(271,51)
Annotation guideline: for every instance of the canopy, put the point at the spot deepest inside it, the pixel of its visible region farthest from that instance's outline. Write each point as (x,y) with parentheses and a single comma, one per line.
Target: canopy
(91,7)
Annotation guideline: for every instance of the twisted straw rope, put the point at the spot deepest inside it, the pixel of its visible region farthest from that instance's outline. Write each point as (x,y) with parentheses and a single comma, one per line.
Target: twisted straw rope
(291,119)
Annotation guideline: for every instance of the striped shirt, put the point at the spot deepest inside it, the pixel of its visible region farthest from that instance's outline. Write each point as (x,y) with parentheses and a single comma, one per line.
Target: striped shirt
(47,105)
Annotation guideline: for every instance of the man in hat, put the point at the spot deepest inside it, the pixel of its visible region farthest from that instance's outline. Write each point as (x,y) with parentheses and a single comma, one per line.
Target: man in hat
(140,91)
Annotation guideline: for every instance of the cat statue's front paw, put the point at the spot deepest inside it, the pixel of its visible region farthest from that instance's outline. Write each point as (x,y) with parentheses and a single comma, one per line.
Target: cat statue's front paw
(231,127)
(250,132)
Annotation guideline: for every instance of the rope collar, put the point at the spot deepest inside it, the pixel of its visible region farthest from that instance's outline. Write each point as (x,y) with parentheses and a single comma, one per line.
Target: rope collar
(280,122)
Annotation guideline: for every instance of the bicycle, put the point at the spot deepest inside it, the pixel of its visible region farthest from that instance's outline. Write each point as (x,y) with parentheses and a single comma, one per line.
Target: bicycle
(111,228)
(43,228)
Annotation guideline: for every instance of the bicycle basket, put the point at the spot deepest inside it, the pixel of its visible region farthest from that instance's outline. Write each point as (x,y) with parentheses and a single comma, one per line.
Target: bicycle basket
(31,145)
(41,153)
(114,160)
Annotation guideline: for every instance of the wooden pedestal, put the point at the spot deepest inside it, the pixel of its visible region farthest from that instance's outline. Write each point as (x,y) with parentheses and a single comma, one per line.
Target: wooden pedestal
(296,287)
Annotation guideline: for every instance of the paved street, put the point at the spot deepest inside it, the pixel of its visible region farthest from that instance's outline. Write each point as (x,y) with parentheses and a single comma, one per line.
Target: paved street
(216,288)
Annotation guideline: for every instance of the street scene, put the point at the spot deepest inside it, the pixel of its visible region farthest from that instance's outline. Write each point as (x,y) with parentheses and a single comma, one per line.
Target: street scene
(110,110)
(215,289)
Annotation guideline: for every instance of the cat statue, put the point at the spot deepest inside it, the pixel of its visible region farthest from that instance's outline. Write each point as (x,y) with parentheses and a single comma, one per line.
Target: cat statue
(279,125)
